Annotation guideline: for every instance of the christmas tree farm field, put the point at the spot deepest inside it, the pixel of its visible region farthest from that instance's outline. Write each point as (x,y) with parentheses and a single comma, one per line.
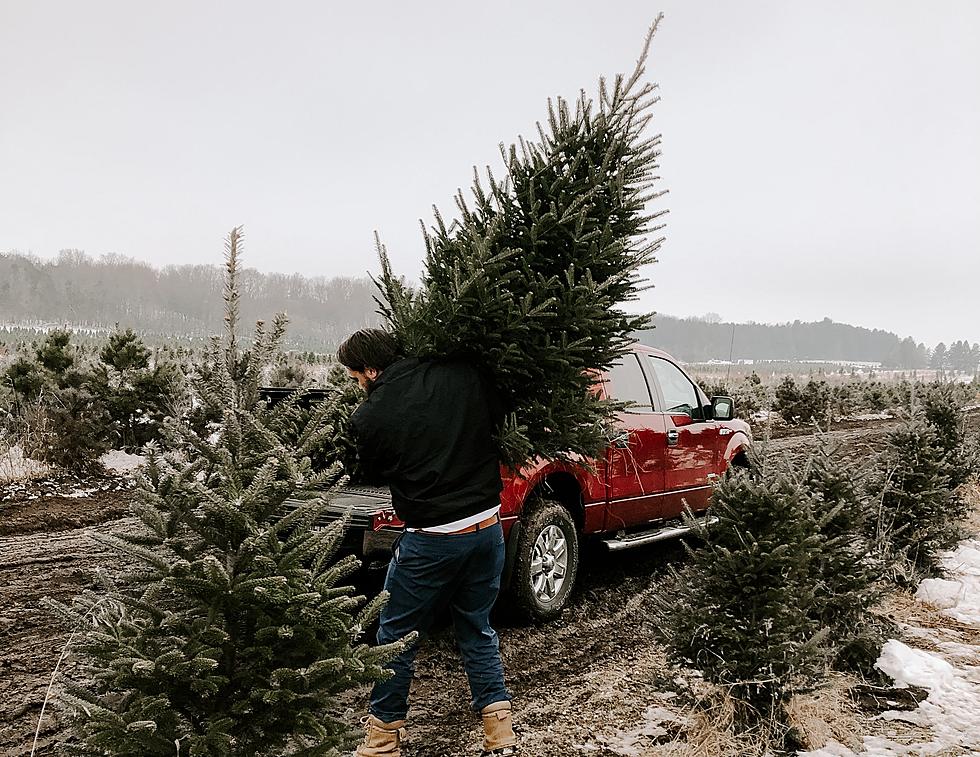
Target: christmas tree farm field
(594,682)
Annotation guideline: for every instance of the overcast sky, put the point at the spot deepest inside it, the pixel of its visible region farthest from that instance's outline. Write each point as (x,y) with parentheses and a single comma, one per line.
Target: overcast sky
(823,159)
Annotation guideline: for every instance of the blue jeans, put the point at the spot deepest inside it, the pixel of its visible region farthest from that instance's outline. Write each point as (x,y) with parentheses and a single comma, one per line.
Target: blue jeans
(429,572)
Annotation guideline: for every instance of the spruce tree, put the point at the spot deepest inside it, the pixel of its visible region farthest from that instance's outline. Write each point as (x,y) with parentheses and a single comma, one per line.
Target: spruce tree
(25,379)
(236,631)
(742,609)
(125,351)
(55,352)
(944,413)
(847,571)
(918,514)
(530,281)
(137,395)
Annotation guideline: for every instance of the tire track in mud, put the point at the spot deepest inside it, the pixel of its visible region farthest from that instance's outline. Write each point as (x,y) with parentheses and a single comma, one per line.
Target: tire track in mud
(34,566)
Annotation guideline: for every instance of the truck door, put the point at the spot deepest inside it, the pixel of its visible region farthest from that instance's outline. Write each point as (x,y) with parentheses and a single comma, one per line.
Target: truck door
(635,462)
(691,438)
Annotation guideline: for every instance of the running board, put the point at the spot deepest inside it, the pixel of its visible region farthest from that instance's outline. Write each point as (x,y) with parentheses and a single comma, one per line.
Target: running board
(658,534)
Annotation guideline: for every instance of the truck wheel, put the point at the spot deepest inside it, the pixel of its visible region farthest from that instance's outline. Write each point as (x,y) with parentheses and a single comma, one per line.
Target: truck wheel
(546,562)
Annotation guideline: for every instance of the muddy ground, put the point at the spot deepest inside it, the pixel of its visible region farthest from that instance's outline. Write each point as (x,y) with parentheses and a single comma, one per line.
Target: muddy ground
(594,682)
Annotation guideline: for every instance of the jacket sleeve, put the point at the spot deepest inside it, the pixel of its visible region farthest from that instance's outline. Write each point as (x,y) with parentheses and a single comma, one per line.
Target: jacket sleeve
(495,402)
(370,457)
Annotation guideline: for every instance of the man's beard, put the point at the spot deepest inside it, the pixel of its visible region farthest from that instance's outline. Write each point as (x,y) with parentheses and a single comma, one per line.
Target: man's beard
(370,384)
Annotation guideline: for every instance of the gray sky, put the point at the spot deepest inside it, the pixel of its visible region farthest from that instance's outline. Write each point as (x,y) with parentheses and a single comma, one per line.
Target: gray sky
(823,159)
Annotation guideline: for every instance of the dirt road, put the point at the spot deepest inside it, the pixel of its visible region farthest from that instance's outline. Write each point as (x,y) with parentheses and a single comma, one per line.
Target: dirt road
(594,682)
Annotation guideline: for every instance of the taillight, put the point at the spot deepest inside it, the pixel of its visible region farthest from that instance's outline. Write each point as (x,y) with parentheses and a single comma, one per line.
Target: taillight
(384,518)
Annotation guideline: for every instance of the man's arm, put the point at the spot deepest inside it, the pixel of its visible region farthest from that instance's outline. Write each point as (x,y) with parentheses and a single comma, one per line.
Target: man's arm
(370,457)
(495,403)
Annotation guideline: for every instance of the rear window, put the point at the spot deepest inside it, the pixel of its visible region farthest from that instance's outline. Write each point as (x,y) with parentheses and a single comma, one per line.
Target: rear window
(625,381)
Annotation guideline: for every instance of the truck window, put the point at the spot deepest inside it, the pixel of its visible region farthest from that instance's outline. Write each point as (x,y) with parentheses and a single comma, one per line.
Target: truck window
(679,393)
(626,382)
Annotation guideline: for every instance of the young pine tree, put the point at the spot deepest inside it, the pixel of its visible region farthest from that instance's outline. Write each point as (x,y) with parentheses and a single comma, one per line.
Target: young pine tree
(529,283)
(55,352)
(847,571)
(944,413)
(741,610)
(137,395)
(918,513)
(235,632)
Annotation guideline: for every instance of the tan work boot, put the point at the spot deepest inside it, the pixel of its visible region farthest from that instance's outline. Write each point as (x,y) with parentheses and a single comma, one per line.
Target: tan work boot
(498,730)
(381,739)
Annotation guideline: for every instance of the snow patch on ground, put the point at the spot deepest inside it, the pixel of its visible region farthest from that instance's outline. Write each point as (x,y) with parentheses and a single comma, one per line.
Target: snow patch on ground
(940,592)
(884,415)
(963,564)
(952,677)
(15,467)
(121,462)
(656,723)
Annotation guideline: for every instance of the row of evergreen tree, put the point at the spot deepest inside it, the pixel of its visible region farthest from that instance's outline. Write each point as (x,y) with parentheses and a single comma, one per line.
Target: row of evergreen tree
(66,408)
(786,585)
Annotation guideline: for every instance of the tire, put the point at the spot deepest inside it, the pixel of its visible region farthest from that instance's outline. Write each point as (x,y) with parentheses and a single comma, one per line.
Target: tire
(548,542)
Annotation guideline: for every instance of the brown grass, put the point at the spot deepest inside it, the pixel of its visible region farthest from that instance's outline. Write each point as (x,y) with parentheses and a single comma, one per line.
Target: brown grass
(711,730)
(971,493)
(827,713)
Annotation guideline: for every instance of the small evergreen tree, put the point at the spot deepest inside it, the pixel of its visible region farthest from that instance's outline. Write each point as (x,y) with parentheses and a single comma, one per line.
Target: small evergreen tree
(56,418)
(55,352)
(25,378)
(944,413)
(847,571)
(741,610)
(801,405)
(529,282)
(289,374)
(69,427)
(236,632)
(918,513)
(137,395)
(125,351)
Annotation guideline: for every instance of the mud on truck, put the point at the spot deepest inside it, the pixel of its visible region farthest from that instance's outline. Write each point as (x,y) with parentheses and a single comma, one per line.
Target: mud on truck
(674,443)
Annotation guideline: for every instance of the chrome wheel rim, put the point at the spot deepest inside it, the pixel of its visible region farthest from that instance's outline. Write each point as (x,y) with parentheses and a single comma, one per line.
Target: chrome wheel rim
(549,564)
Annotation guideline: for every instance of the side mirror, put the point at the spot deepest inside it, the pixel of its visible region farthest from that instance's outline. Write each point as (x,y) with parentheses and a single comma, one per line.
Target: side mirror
(722,408)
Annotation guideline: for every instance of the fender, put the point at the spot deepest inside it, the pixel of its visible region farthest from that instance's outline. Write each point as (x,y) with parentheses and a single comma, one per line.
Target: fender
(510,555)
(519,485)
(737,444)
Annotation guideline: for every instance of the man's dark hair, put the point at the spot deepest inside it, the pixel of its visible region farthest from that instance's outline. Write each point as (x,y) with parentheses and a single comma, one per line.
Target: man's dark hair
(368,348)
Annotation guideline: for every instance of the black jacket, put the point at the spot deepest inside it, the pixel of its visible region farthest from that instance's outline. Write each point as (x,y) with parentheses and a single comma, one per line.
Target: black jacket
(426,430)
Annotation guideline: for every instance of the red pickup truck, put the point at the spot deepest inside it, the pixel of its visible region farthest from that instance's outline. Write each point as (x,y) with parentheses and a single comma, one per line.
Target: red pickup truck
(674,443)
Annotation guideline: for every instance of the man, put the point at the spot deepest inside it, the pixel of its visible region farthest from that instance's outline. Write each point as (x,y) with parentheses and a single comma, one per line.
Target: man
(426,429)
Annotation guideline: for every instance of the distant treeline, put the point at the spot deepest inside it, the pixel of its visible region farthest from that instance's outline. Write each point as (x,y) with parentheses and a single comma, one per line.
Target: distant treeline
(701,339)
(184,303)
(176,301)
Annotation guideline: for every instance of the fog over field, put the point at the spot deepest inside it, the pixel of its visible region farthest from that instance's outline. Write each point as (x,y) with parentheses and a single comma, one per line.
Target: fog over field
(822,160)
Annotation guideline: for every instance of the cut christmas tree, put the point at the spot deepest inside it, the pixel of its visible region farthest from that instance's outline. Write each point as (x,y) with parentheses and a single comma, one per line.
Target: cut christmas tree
(531,280)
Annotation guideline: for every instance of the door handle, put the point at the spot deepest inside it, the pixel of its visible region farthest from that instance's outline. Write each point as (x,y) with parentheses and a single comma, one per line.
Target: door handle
(672,436)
